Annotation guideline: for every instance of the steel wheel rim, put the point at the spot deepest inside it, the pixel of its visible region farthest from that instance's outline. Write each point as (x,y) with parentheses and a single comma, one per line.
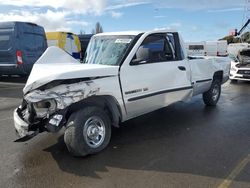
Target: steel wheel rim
(94,131)
(215,92)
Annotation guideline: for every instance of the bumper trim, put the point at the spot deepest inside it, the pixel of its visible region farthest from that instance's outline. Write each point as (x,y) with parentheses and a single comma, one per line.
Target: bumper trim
(22,128)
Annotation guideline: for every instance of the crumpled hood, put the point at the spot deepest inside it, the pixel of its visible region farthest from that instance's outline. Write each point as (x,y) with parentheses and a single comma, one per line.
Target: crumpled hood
(56,64)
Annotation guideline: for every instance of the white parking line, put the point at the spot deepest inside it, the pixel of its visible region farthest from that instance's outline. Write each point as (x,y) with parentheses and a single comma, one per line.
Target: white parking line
(236,171)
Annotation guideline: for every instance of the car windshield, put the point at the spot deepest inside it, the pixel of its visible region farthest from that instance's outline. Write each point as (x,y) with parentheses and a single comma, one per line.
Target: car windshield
(107,50)
(5,38)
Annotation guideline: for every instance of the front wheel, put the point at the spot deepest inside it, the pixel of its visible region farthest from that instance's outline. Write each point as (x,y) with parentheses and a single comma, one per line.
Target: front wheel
(88,131)
(212,96)
(234,81)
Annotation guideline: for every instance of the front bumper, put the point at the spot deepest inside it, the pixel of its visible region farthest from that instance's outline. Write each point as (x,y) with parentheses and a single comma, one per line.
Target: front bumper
(235,76)
(21,127)
(26,131)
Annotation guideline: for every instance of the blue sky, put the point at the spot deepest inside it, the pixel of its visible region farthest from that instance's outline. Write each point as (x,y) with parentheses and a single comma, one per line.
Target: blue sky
(196,20)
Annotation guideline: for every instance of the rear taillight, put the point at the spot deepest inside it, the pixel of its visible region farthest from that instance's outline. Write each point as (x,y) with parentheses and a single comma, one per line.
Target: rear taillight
(19,57)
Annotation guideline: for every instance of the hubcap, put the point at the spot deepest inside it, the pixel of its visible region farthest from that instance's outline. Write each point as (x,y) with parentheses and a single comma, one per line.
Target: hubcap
(94,131)
(215,92)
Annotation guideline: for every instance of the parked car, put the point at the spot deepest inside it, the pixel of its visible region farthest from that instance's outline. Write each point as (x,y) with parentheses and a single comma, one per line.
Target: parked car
(196,48)
(67,41)
(240,66)
(21,44)
(124,75)
(234,48)
(84,40)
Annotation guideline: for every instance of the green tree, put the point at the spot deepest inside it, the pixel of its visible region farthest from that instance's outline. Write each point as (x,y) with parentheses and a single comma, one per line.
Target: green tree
(98,28)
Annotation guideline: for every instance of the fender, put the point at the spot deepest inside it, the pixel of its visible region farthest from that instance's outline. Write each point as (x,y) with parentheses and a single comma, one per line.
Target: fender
(108,103)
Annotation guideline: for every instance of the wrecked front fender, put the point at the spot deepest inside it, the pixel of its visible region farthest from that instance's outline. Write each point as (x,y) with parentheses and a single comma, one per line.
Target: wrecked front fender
(38,112)
(65,94)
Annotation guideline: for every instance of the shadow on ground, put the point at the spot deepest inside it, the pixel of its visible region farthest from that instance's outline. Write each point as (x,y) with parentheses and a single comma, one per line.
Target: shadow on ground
(181,139)
(13,79)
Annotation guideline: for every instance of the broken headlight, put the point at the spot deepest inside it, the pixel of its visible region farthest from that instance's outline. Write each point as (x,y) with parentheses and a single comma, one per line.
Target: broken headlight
(45,108)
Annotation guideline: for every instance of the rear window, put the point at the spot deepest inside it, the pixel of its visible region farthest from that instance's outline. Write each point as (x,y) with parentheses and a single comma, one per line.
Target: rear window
(5,38)
(4,42)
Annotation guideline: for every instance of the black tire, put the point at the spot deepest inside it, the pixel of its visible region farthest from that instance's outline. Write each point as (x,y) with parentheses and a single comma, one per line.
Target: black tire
(79,126)
(212,96)
(234,81)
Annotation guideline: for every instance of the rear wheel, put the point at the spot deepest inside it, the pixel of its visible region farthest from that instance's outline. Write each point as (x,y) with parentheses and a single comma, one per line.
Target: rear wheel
(212,96)
(88,131)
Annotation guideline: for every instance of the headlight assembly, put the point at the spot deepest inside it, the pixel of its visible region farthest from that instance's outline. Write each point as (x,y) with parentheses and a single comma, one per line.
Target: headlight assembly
(44,108)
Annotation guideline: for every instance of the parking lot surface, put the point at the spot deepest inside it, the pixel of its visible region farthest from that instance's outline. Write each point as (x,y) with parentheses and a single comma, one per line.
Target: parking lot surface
(183,145)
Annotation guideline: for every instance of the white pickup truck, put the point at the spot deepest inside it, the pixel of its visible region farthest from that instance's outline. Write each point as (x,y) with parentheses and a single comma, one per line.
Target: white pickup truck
(124,75)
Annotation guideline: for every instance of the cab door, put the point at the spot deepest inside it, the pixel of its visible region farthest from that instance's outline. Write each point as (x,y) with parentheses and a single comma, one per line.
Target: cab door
(156,77)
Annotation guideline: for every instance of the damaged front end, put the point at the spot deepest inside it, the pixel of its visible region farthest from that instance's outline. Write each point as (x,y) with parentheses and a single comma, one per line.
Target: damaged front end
(44,109)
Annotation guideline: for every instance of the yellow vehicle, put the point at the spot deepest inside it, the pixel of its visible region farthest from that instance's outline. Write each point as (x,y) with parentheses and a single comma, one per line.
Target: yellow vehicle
(67,41)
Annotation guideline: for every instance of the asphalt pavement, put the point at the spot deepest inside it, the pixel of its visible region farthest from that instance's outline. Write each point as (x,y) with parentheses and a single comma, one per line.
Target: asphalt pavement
(185,145)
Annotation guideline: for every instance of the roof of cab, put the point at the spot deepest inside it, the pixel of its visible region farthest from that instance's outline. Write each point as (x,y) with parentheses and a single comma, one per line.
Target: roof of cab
(134,33)
(119,33)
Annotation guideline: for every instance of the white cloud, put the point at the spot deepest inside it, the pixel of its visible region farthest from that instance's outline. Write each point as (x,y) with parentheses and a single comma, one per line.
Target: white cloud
(198,5)
(159,16)
(226,10)
(98,6)
(171,26)
(125,4)
(67,14)
(79,6)
(51,21)
(115,14)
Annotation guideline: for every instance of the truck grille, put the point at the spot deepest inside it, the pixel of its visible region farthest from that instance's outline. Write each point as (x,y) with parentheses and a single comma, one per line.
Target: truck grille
(244,72)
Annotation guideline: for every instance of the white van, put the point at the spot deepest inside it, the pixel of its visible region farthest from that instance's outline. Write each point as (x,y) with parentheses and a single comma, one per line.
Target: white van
(222,48)
(196,48)
(211,48)
(216,48)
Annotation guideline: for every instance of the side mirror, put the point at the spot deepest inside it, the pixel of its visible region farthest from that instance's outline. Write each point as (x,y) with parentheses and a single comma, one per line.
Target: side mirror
(137,61)
(142,56)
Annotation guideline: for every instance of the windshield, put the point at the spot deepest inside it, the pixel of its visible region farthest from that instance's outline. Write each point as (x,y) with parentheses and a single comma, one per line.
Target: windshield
(5,38)
(107,50)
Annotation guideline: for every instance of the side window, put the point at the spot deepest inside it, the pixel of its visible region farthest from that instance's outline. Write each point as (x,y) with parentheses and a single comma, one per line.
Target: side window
(155,48)
(171,40)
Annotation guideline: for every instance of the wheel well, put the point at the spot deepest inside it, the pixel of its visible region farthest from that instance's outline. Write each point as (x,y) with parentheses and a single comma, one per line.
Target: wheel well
(218,75)
(106,102)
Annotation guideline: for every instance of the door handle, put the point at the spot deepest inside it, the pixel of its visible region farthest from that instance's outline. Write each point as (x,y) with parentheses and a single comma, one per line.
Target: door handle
(182,68)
